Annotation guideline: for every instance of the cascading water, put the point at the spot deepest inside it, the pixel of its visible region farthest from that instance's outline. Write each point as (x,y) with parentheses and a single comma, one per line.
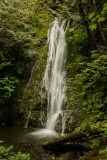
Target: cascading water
(55,72)
(54,76)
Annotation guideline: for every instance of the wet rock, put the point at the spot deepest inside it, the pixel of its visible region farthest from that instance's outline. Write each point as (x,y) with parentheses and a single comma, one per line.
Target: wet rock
(68,119)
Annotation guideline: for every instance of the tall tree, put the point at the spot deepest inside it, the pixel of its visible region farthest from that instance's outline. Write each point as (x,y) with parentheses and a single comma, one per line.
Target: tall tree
(86,23)
(100,24)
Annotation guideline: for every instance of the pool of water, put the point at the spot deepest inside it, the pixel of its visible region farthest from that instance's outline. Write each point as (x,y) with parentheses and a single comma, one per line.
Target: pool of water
(23,140)
(15,134)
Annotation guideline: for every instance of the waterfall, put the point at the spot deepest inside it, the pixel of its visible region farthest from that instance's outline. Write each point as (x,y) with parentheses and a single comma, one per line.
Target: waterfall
(54,76)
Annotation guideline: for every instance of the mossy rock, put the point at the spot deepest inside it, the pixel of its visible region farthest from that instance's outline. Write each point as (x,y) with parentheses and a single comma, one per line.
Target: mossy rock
(79,138)
(71,137)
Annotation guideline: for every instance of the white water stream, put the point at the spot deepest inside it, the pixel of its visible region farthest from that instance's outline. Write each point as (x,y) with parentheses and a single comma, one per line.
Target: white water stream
(55,72)
(54,76)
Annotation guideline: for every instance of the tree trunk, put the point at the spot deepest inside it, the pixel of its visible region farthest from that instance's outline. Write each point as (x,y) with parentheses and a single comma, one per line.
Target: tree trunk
(100,25)
(86,23)
(1,112)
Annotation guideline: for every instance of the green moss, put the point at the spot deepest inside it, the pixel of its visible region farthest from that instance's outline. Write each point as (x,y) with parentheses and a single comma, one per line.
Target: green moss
(63,156)
(79,134)
(76,145)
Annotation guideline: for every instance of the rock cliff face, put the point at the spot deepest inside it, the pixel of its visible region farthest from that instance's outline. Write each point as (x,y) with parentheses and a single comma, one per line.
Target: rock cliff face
(31,100)
(26,100)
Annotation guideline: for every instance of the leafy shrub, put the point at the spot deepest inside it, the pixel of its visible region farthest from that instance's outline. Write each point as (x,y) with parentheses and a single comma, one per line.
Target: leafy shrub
(91,84)
(15,38)
(95,19)
(7,86)
(7,154)
(104,129)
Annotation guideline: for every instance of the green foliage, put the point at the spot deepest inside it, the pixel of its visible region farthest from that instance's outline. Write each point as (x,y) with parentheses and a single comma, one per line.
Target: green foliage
(14,37)
(7,86)
(104,152)
(104,9)
(78,38)
(101,19)
(95,143)
(93,26)
(16,31)
(87,82)
(104,129)
(5,64)
(23,25)
(20,156)
(95,19)
(91,15)
(7,154)
(93,76)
